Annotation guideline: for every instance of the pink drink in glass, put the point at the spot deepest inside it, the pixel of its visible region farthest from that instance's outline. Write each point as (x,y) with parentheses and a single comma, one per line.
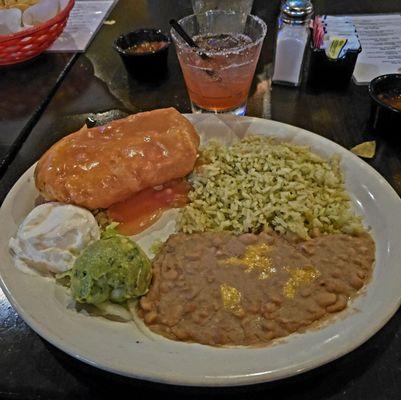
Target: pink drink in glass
(218,75)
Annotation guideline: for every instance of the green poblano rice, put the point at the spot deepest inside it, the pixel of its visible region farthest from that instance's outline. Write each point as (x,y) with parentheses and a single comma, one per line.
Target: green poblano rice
(259,183)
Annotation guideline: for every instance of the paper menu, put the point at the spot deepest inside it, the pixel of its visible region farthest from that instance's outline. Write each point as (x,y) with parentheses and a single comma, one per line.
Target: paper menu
(85,19)
(380,37)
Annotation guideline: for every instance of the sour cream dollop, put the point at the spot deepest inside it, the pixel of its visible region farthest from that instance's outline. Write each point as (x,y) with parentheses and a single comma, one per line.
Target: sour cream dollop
(51,237)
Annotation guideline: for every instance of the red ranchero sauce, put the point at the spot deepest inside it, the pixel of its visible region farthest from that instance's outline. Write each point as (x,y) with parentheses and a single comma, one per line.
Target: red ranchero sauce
(146,207)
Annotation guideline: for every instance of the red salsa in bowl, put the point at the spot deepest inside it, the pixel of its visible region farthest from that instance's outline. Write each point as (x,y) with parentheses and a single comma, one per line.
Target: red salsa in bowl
(391,98)
(144,53)
(146,47)
(385,92)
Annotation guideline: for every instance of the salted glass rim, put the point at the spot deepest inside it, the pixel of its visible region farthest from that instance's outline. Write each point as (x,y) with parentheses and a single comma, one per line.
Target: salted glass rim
(179,42)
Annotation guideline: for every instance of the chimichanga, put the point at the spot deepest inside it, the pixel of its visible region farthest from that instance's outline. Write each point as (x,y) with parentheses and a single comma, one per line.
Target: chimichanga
(97,167)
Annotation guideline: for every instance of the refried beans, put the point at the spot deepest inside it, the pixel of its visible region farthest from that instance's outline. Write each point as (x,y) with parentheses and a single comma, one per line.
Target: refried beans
(221,289)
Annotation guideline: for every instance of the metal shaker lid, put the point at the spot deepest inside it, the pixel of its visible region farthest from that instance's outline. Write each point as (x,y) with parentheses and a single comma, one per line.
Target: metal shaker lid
(296,11)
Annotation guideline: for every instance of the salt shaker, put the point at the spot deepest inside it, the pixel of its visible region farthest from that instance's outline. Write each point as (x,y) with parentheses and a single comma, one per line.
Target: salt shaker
(292,37)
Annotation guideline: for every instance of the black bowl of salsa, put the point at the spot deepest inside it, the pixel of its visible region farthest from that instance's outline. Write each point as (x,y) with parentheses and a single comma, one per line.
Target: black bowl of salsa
(385,92)
(144,53)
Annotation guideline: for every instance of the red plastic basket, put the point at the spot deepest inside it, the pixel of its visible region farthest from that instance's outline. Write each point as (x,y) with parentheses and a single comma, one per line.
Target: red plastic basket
(29,43)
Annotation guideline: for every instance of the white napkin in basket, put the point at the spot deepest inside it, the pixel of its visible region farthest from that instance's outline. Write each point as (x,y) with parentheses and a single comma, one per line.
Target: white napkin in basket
(13,20)
(10,21)
(40,12)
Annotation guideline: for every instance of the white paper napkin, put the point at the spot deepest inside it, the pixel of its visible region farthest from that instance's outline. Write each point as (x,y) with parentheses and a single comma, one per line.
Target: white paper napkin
(10,21)
(13,20)
(63,4)
(40,12)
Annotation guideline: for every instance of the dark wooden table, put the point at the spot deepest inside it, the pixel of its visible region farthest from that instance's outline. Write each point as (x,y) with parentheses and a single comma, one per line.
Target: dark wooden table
(25,91)
(97,83)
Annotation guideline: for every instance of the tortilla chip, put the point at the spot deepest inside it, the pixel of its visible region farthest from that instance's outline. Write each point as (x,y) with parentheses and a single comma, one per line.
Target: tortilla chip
(365,149)
(21,4)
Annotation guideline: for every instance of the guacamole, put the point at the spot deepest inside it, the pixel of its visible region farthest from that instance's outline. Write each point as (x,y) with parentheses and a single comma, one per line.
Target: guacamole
(113,268)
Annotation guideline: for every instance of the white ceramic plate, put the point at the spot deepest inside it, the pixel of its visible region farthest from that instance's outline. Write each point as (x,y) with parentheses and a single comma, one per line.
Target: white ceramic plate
(129,349)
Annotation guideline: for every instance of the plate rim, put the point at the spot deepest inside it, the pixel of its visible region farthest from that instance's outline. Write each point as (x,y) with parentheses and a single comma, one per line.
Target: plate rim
(221,381)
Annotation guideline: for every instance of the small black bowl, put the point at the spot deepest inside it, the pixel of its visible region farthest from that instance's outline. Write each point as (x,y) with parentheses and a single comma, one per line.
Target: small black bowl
(384,118)
(150,65)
